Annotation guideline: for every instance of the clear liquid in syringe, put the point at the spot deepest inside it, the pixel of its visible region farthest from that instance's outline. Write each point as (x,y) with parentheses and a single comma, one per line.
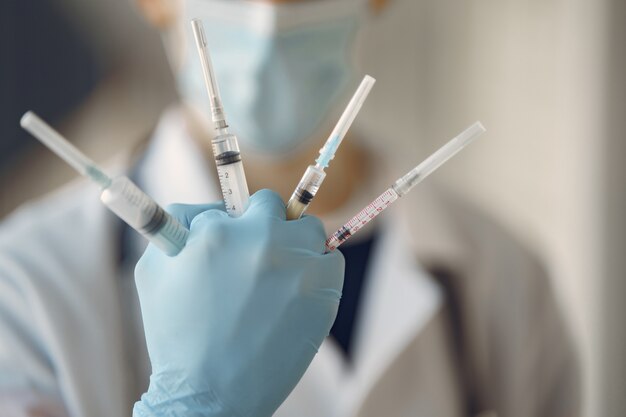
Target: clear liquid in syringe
(232,181)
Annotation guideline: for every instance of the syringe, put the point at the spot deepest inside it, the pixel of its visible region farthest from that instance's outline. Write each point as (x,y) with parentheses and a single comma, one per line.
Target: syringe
(403,185)
(225,147)
(119,194)
(314,174)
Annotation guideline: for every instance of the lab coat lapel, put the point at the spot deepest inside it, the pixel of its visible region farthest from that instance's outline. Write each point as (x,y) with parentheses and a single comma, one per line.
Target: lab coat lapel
(81,244)
(320,392)
(400,301)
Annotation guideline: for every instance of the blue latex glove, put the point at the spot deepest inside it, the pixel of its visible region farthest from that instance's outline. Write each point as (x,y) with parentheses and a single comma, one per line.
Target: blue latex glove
(233,321)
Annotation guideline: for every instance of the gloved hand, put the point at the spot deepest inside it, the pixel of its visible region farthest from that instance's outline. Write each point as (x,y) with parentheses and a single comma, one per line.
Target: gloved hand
(233,321)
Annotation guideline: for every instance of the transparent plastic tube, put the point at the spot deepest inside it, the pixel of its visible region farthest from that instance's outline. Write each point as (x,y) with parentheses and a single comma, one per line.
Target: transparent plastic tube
(210,81)
(305,192)
(314,175)
(226,152)
(119,194)
(144,215)
(419,173)
(362,218)
(403,185)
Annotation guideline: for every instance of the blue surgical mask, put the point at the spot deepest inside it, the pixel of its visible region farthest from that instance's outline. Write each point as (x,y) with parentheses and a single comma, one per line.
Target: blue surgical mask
(281,68)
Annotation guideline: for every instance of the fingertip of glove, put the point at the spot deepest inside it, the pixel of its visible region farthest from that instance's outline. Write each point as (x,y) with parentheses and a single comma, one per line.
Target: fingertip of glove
(142,268)
(178,211)
(337,256)
(208,216)
(265,194)
(185,213)
(312,229)
(313,221)
(266,202)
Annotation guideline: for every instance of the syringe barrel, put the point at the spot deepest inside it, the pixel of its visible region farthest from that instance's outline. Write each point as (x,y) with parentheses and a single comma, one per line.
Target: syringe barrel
(231,174)
(144,215)
(305,191)
(406,183)
(224,143)
(362,218)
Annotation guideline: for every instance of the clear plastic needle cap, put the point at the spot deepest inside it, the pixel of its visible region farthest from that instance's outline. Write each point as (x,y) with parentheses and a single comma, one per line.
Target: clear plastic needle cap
(217,109)
(434,161)
(64,149)
(327,153)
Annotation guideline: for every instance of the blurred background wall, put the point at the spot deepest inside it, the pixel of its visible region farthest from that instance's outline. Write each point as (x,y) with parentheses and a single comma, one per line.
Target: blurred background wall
(538,74)
(93,68)
(544,76)
(547,79)
(613,230)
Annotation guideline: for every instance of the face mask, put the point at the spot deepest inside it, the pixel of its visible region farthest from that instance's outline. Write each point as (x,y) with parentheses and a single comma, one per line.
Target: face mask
(281,68)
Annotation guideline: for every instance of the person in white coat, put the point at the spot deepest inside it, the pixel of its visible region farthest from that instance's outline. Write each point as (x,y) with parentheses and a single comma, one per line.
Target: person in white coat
(443,314)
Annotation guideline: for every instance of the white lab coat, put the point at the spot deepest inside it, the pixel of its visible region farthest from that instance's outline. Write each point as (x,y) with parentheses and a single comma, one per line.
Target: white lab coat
(70,330)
